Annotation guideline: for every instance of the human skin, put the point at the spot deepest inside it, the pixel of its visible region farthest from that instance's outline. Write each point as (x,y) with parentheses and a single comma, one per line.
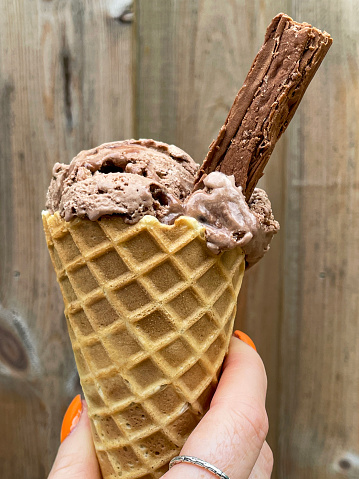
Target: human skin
(231,435)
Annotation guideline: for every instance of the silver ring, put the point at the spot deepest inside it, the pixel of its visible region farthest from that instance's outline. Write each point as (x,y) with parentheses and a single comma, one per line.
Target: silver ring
(198,462)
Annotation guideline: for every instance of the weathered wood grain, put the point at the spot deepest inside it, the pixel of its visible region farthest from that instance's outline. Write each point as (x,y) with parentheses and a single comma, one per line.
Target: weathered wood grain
(65,85)
(319,415)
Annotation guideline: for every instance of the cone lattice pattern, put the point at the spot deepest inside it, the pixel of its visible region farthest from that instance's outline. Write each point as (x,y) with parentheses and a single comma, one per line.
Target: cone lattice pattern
(150,312)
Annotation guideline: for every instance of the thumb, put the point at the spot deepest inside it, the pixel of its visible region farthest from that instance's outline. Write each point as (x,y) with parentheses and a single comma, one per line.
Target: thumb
(76,457)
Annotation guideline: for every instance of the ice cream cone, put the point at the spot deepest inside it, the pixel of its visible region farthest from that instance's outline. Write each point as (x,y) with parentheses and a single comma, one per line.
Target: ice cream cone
(150,312)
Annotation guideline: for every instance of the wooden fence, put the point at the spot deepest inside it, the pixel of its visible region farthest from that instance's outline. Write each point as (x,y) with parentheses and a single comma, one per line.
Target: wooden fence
(76,73)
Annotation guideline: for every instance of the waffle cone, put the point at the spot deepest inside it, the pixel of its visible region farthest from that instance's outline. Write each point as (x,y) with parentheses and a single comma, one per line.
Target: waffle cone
(150,313)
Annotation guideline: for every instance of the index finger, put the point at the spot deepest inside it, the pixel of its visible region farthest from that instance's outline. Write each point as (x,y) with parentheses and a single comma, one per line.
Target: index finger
(243,377)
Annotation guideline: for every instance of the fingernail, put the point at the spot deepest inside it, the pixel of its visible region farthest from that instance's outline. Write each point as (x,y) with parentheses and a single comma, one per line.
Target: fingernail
(245,338)
(72,417)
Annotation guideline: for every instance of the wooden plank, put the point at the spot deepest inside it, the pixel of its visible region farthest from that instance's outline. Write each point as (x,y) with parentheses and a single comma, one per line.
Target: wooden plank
(193,70)
(65,85)
(319,414)
(158,65)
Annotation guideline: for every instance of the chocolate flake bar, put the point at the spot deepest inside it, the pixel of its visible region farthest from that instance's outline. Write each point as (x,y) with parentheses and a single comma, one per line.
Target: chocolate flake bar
(281,72)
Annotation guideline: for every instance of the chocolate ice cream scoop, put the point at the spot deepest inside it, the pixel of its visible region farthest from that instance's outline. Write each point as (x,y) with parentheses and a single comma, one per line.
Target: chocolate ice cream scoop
(131,178)
(229,220)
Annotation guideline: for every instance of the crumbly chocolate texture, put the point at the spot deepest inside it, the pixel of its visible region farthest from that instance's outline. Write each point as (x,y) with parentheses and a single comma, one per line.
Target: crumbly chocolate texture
(281,72)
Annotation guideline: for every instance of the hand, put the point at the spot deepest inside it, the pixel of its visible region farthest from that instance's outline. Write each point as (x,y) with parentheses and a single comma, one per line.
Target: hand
(231,435)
